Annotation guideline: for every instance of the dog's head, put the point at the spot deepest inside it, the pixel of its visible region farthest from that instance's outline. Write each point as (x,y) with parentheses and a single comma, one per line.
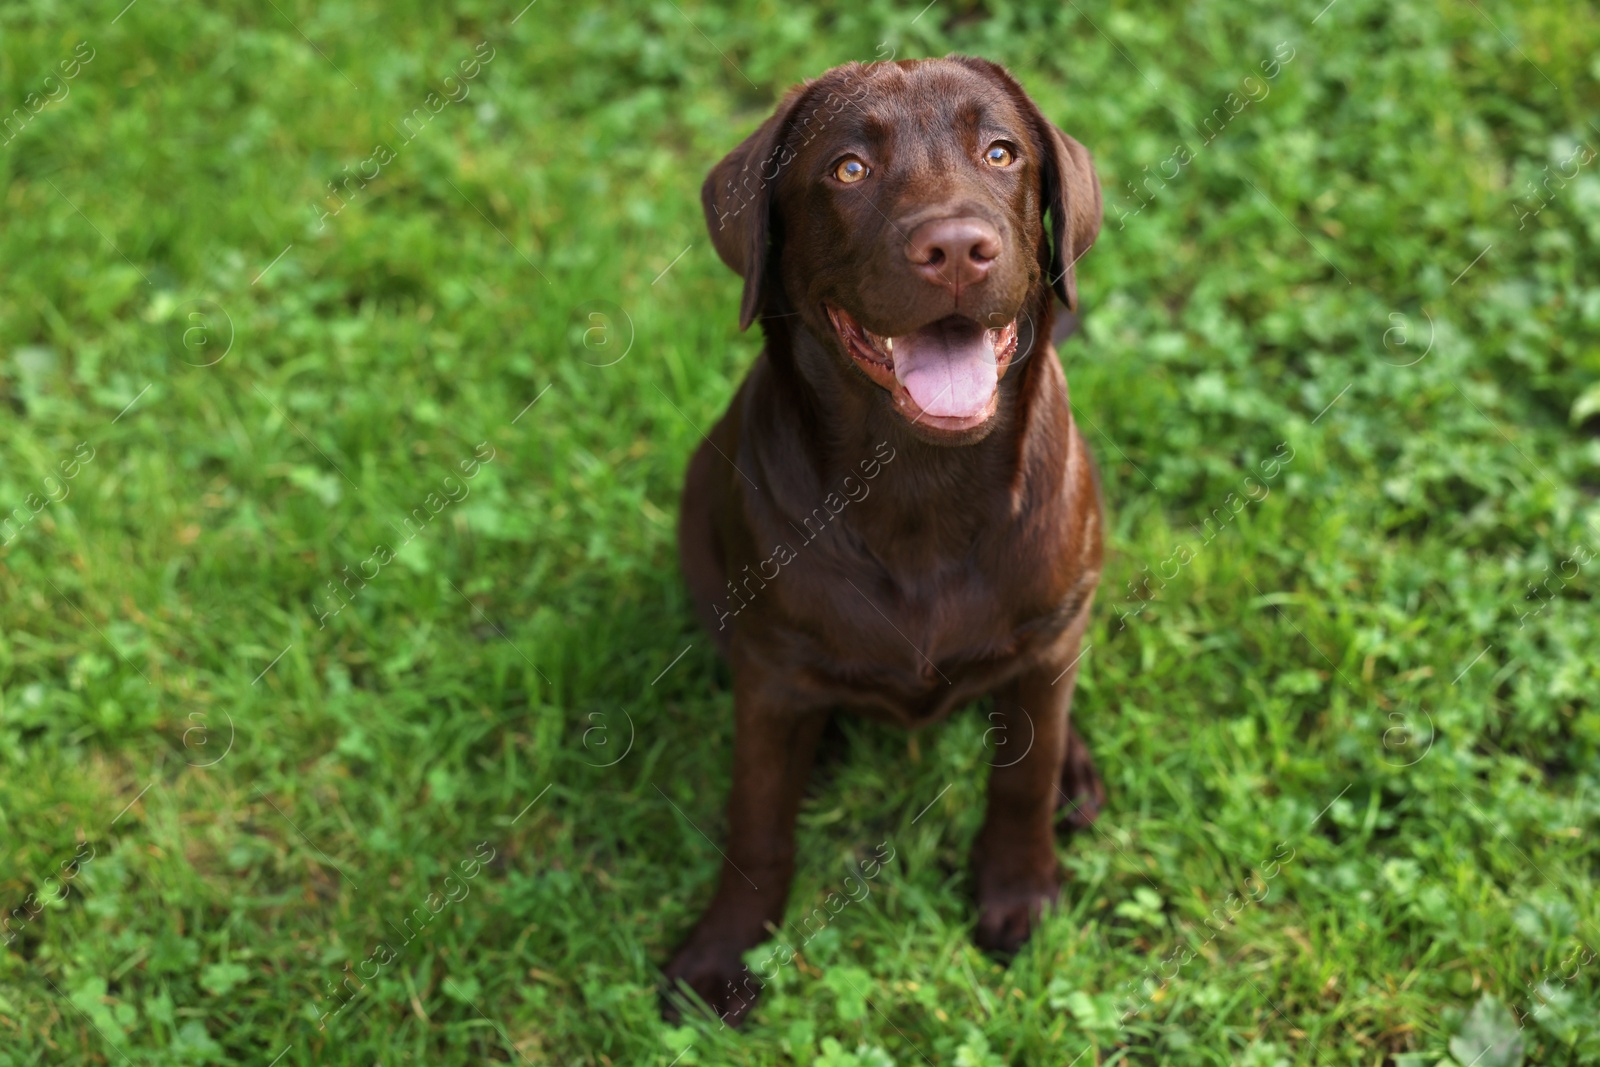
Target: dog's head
(910,213)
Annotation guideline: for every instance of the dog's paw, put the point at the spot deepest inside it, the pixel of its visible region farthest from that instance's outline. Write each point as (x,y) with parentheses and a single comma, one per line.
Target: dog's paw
(1082,794)
(1006,920)
(1078,811)
(716,976)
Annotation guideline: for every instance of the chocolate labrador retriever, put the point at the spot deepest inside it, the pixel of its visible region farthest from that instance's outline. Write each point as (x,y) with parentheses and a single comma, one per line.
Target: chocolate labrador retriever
(897,514)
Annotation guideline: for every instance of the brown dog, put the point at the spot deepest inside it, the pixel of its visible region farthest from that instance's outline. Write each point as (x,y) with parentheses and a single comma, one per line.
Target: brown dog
(897,514)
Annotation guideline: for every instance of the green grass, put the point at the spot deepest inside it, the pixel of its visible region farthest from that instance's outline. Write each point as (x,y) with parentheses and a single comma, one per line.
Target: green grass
(1351,673)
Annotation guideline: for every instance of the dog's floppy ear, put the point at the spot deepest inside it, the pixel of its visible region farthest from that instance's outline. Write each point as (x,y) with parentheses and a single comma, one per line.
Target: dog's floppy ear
(737,198)
(1072,196)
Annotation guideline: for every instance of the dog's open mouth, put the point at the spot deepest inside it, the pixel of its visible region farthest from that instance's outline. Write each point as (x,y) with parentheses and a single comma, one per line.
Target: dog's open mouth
(945,375)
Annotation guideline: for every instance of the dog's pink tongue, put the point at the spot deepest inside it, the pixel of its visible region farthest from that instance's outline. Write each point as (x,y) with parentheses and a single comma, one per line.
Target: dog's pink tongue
(948,368)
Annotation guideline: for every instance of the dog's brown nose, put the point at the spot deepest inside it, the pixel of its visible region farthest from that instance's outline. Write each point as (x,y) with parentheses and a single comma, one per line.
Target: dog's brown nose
(954,253)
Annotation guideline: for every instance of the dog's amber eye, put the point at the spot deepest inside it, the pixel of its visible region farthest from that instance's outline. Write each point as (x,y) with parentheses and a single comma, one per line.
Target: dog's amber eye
(998,155)
(850,169)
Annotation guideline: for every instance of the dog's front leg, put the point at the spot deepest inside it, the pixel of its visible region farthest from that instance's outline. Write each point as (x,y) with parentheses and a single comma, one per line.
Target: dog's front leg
(1014,857)
(773,749)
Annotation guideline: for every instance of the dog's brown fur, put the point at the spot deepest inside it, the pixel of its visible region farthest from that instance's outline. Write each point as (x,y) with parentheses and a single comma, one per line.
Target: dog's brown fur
(961,564)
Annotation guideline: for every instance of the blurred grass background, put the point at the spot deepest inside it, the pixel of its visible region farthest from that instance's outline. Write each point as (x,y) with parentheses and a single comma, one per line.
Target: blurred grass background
(231,795)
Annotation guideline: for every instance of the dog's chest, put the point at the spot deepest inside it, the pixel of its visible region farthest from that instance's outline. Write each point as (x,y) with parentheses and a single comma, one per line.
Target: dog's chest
(923,643)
